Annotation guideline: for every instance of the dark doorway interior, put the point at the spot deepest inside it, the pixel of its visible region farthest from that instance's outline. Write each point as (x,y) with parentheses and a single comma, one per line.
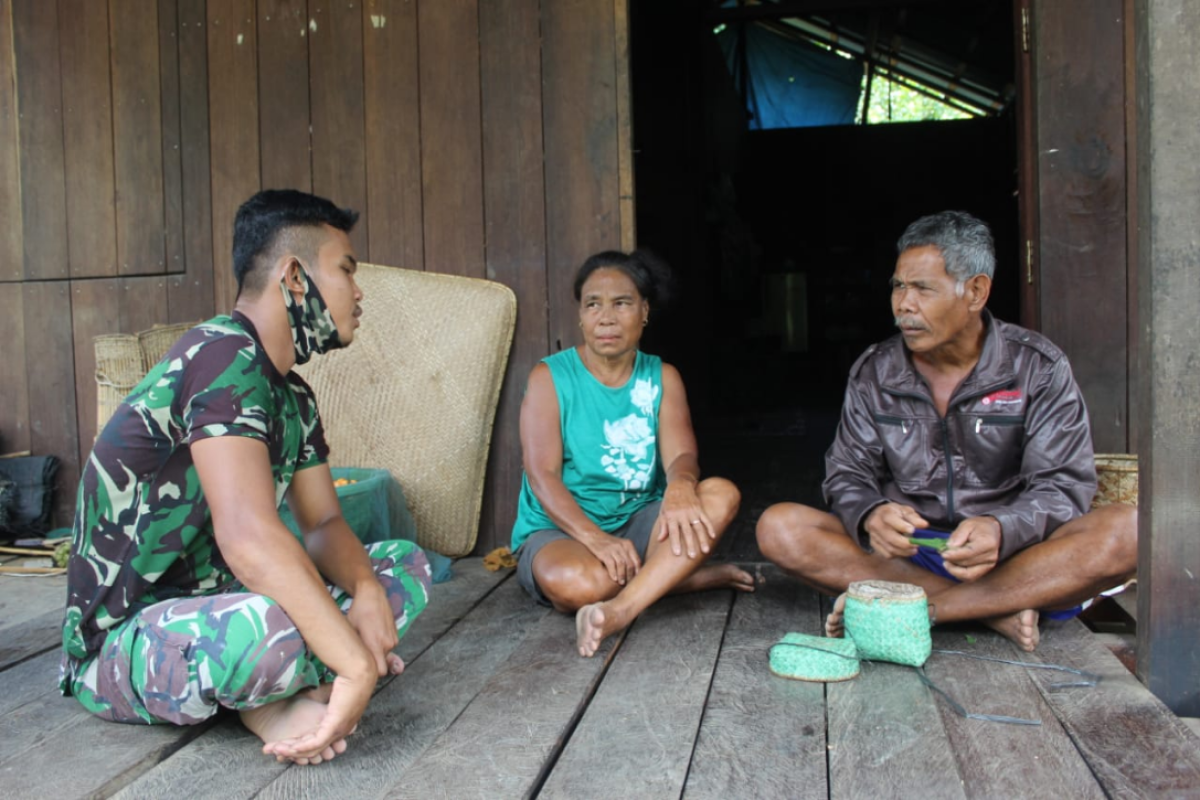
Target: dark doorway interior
(783,240)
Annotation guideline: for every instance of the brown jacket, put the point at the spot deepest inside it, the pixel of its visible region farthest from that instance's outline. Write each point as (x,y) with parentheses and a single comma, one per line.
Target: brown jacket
(1016,428)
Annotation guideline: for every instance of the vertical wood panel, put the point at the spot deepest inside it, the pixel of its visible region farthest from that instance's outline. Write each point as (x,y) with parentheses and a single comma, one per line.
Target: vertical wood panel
(14,386)
(1132,333)
(233,126)
(1080,84)
(138,139)
(87,138)
(339,160)
(580,125)
(95,310)
(10,173)
(50,368)
(283,91)
(143,303)
(190,296)
(625,186)
(1168,160)
(451,137)
(39,98)
(514,214)
(392,97)
(1029,268)
(172,157)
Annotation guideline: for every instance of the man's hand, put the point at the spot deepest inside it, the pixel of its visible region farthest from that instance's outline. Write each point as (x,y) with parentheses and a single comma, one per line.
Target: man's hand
(371,617)
(347,702)
(683,521)
(888,527)
(973,549)
(619,556)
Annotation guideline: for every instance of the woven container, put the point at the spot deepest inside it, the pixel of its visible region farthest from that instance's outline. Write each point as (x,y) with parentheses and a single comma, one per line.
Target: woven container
(416,392)
(1116,479)
(161,338)
(373,506)
(119,366)
(802,657)
(123,359)
(889,622)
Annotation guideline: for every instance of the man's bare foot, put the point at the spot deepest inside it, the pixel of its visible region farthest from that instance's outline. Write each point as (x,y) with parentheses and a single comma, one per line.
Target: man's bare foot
(835,623)
(291,718)
(719,576)
(1021,628)
(594,624)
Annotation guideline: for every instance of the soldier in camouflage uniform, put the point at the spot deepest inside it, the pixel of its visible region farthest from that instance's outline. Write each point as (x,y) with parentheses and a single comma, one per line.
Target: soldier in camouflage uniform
(186,592)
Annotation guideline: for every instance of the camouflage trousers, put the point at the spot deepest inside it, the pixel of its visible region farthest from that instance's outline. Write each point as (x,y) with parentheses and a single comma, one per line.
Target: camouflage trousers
(179,661)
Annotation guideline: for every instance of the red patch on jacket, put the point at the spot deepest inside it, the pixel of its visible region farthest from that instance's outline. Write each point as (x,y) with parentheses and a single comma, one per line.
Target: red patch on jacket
(1003,397)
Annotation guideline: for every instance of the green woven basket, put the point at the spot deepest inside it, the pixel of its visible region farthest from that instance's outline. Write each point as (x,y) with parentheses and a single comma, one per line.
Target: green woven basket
(802,657)
(889,622)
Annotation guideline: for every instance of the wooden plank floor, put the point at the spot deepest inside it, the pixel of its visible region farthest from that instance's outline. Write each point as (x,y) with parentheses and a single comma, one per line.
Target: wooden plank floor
(495,704)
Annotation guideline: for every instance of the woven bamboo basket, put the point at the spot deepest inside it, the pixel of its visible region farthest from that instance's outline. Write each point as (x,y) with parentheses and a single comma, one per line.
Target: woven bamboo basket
(119,366)
(161,338)
(123,359)
(1116,479)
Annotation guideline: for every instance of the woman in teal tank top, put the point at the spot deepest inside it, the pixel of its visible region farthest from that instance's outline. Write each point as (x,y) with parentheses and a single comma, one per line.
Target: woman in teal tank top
(613,514)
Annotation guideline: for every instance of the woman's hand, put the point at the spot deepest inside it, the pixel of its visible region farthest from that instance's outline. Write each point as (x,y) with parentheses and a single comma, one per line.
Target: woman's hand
(619,556)
(683,521)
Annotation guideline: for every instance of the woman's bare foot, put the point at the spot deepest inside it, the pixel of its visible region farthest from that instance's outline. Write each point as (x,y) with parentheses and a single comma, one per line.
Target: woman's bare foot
(594,624)
(718,576)
(835,623)
(291,718)
(1021,628)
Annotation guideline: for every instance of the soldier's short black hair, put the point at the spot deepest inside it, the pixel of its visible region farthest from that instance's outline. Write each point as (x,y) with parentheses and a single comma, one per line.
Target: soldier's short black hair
(262,219)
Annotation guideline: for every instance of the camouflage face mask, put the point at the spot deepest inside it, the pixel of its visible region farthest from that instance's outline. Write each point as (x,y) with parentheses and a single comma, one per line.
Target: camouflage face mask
(313,329)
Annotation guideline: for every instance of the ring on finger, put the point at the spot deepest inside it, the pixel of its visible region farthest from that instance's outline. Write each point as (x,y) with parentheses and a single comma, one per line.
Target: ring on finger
(695,522)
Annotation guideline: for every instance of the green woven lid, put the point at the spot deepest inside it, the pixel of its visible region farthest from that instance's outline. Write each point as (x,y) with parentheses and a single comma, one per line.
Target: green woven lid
(802,657)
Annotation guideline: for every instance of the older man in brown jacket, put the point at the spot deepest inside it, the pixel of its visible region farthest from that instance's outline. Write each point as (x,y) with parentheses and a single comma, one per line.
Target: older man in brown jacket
(962,428)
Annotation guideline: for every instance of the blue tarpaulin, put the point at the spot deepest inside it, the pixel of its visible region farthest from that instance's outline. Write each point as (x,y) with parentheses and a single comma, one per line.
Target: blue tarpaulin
(790,83)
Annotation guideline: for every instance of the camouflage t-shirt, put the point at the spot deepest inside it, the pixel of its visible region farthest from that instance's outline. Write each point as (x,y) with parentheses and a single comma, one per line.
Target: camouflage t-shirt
(143,531)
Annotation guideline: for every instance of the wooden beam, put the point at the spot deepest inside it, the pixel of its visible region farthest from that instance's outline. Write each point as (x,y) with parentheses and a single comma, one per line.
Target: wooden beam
(1079,83)
(795,8)
(1168,184)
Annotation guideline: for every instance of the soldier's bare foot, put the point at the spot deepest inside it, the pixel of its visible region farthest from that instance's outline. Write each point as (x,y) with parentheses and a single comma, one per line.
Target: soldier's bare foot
(835,622)
(291,718)
(1021,628)
(719,576)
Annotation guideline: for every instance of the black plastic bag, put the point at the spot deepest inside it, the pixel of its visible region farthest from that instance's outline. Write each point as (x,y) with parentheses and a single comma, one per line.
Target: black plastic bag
(30,498)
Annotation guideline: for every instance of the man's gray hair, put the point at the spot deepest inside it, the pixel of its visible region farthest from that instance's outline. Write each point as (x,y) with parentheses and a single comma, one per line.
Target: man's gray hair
(963,240)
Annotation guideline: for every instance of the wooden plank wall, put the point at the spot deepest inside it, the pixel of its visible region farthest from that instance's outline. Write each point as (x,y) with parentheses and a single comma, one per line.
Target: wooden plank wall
(487,138)
(1079,84)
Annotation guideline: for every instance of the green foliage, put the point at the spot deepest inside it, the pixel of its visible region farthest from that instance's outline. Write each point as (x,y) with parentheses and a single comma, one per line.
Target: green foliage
(892,101)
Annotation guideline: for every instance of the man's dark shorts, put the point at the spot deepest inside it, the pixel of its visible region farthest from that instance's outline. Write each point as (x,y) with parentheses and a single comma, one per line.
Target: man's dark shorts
(637,529)
(931,560)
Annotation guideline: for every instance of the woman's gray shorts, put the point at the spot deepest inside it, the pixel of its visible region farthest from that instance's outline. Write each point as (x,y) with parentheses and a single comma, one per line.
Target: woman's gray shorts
(636,529)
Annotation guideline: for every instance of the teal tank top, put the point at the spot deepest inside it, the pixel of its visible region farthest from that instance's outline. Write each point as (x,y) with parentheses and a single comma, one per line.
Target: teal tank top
(610,444)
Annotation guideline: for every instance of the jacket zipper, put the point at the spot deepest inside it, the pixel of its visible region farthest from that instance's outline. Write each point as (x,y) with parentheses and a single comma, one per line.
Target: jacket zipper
(949,468)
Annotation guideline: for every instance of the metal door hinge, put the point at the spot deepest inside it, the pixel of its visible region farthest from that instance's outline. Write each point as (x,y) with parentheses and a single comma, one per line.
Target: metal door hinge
(1029,261)
(1025,30)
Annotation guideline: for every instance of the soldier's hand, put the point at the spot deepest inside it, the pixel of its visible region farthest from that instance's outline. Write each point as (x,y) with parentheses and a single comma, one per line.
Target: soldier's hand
(888,527)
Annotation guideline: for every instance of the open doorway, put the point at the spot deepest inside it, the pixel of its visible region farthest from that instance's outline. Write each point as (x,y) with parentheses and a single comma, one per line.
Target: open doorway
(766,177)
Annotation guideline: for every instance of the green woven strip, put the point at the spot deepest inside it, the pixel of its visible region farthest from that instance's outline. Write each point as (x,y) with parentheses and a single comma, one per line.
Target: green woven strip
(802,657)
(936,544)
